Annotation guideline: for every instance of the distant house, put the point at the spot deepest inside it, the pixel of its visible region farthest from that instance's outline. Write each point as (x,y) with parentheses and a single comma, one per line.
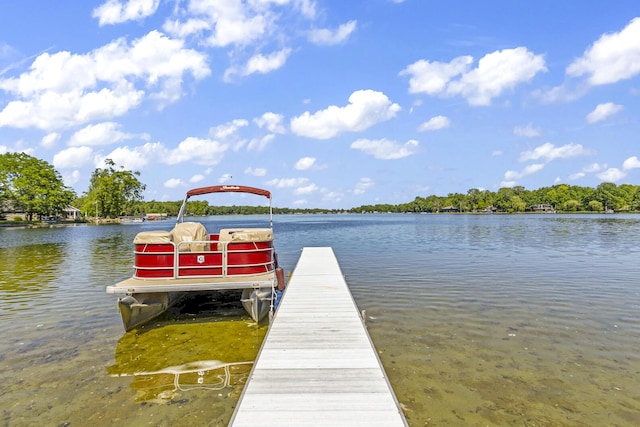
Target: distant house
(449,209)
(10,211)
(543,208)
(72,213)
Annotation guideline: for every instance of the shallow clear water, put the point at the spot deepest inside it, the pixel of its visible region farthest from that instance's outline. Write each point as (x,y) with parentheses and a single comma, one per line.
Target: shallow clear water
(478,320)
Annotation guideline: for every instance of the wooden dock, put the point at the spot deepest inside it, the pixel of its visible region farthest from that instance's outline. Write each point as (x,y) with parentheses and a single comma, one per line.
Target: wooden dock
(317,365)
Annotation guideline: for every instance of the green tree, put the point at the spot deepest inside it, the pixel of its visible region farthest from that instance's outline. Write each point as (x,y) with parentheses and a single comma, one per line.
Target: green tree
(33,185)
(474,196)
(517,204)
(610,196)
(502,200)
(595,206)
(571,205)
(627,195)
(420,204)
(456,200)
(113,192)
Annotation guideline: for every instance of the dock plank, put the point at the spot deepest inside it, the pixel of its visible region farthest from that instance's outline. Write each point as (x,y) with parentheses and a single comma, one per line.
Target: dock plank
(317,365)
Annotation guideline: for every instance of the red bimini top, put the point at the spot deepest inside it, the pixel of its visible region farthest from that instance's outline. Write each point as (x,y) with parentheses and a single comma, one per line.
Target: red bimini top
(229,189)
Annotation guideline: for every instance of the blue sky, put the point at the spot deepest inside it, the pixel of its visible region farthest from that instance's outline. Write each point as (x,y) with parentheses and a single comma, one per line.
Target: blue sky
(327,103)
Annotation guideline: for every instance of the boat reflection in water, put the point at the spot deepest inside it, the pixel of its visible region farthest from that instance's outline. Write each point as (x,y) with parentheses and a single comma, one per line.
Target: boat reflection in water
(167,363)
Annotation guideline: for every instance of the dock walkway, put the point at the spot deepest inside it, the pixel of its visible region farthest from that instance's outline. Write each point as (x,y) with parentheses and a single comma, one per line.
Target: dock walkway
(317,365)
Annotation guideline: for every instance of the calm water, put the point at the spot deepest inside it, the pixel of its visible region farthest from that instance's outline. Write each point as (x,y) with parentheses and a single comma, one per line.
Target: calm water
(529,320)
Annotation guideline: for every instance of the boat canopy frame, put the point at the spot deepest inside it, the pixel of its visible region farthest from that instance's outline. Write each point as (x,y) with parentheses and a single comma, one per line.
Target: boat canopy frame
(225,189)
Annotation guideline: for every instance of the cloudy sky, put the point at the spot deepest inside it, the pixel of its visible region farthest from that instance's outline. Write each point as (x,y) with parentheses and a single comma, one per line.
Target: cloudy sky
(326,103)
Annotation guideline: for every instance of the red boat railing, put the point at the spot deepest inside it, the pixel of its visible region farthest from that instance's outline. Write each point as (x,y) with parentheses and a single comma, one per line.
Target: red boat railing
(232,253)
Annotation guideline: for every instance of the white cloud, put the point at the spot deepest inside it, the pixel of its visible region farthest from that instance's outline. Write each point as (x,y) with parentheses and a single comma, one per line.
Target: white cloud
(563,93)
(259,144)
(328,37)
(287,182)
(550,152)
(631,163)
(266,63)
(528,131)
(256,171)
(332,196)
(497,153)
(612,175)
(591,168)
(603,111)
(306,7)
(260,63)
(116,12)
(50,140)
(577,176)
(223,23)
(200,151)
(366,108)
(530,169)
(196,178)
(19,147)
(305,163)
(594,167)
(432,78)
(131,159)
(363,185)
(496,73)
(173,183)
(225,178)
(99,134)
(272,122)
(301,186)
(63,90)
(307,189)
(73,157)
(71,178)
(613,57)
(385,149)
(434,123)
(55,111)
(227,129)
(511,177)
(183,29)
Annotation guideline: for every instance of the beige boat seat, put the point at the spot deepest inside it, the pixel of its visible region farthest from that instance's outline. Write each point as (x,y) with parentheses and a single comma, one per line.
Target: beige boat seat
(155,237)
(190,232)
(244,235)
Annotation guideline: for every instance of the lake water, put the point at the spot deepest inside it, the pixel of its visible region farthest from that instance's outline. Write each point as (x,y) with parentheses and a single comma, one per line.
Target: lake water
(496,320)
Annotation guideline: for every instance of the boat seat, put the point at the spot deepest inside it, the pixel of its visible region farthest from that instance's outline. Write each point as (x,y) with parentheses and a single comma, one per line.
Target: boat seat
(190,232)
(246,235)
(155,237)
(228,235)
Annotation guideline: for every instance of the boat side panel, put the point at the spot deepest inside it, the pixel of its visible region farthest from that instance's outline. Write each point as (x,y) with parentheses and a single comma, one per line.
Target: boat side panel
(157,261)
(154,260)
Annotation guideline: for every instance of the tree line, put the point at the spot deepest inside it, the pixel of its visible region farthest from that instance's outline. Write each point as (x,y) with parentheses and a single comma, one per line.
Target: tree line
(606,197)
(33,186)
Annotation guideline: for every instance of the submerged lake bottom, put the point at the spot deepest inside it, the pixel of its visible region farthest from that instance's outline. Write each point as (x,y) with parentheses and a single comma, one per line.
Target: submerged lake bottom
(478,320)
